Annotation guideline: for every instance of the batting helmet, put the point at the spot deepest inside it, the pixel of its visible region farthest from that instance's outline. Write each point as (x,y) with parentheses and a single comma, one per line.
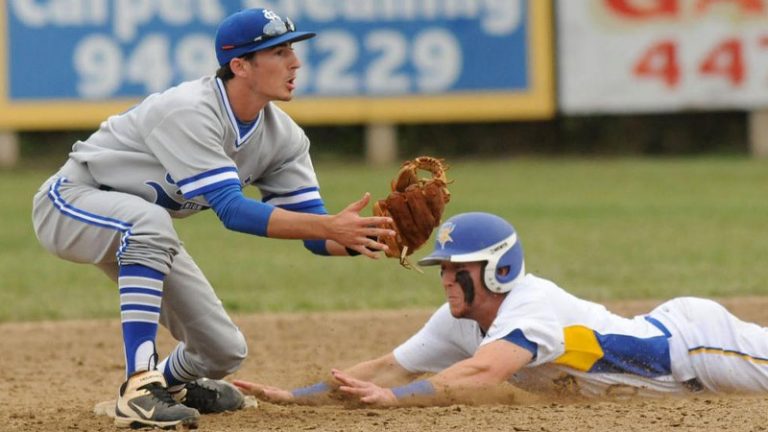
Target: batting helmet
(473,237)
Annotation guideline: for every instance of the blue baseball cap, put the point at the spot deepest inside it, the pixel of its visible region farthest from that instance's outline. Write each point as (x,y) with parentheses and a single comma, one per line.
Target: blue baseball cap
(252,30)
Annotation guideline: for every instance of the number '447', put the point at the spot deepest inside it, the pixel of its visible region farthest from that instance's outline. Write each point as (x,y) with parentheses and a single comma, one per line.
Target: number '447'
(662,61)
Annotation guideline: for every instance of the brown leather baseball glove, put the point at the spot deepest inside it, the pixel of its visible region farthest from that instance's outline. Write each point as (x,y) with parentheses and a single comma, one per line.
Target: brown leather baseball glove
(415,205)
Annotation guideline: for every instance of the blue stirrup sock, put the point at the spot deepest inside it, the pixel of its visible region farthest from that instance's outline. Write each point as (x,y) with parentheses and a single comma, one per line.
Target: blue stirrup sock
(141,293)
(176,368)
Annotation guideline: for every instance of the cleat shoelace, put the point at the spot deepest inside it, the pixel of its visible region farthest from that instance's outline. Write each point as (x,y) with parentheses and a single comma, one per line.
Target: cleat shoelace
(160,393)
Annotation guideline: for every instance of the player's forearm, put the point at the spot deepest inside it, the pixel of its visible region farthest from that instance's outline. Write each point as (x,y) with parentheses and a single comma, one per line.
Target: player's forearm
(284,224)
(243,214)
(466,377)
(383,371)
(426,393)
(445,390)
(319,231)
(492,365)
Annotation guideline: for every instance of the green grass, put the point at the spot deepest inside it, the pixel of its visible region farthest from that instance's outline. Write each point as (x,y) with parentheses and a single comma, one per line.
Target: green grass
(603,229)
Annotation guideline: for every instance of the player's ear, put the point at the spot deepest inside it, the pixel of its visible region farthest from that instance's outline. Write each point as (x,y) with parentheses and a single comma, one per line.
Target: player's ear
(238,66)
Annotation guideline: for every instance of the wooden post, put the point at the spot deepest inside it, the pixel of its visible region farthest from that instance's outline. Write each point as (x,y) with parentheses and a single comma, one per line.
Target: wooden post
(758,133)
(9,149)
(380,143)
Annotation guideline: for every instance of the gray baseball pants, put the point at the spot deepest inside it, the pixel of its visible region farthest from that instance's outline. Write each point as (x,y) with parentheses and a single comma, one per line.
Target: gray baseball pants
(79,222)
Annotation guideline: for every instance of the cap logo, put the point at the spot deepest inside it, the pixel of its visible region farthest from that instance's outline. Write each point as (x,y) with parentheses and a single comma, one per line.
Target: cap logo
(270,15)
(275,27)
(444,234)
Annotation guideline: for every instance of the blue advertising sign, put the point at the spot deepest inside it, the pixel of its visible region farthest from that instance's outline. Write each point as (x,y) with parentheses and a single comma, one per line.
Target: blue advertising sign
(373,60)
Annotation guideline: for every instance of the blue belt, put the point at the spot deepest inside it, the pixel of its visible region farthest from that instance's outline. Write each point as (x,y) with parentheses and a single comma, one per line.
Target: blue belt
(693,385)
(658,325)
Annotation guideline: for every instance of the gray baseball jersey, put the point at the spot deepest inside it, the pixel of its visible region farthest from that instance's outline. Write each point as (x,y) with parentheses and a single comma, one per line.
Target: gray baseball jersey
(183,142)
(113,200)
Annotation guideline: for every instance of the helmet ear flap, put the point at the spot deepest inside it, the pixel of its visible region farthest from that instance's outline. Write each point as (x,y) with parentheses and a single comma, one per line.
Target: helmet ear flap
(499,280)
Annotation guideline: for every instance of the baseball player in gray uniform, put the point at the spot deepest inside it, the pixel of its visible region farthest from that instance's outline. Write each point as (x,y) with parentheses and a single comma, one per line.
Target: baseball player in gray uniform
(503,324)
(187,149)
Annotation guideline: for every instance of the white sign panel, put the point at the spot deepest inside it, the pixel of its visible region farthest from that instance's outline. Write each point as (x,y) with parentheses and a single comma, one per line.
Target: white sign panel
(619,56)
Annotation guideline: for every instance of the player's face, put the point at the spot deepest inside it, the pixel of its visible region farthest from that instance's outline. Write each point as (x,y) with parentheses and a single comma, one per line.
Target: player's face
(453,292)
(272,73)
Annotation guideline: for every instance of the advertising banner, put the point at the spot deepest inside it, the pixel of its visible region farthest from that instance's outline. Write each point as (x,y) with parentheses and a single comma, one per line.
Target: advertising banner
(620,56)
(71,63)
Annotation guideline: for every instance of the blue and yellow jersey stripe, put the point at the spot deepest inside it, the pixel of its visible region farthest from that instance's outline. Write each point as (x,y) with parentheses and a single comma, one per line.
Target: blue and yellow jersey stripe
(587,350)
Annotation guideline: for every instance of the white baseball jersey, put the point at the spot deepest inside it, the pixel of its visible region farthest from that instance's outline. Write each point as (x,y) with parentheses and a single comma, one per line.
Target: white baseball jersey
(178,144)
(581,347)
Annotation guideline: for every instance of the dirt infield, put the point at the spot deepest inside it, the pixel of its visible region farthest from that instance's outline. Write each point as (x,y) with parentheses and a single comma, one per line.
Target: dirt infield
(52,374)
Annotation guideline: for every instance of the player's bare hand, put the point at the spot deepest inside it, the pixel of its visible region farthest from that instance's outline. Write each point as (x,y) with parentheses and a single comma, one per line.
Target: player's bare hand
(367,392)
(360,233)
(264,392)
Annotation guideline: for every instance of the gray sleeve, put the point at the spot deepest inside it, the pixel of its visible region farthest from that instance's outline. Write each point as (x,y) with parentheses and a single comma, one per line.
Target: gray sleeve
(293,184)
(443,341)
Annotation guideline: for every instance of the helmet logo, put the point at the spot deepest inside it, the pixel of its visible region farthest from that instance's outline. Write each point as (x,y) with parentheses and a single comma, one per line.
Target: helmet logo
(444,234)
(502,246)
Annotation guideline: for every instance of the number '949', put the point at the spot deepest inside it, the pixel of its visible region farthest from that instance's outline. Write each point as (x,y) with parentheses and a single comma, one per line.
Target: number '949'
(103,70)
